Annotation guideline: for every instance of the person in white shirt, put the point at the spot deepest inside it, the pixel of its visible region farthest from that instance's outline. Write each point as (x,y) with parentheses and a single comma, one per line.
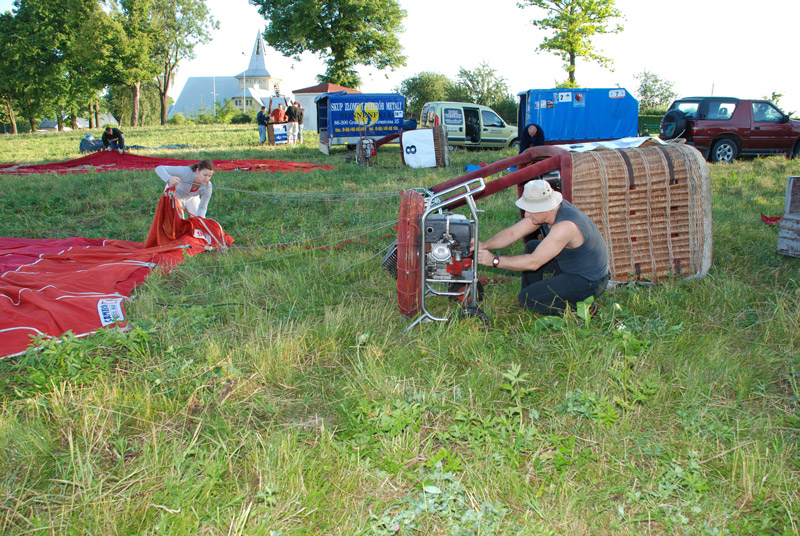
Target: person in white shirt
(192,184)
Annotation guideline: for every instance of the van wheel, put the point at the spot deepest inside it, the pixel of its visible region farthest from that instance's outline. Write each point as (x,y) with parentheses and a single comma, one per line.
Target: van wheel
(452,148)
(724,150)
(515,144)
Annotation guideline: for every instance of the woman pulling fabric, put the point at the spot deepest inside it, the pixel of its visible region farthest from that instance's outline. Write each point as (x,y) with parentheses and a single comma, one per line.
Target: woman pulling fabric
(192,184)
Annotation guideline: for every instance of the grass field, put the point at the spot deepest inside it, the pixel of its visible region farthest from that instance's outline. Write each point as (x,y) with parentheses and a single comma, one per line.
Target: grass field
(272,390)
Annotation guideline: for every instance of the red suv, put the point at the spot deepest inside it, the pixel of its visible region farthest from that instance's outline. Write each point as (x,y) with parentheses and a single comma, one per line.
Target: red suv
(723,128)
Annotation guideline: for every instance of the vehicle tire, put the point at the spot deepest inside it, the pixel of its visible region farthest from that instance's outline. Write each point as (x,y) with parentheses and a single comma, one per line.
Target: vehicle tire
(452,148)
(673,125)
(725,150)
(796,152)
(515,144)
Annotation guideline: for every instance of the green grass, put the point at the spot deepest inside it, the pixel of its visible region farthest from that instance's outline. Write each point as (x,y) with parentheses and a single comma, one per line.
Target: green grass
(272,390)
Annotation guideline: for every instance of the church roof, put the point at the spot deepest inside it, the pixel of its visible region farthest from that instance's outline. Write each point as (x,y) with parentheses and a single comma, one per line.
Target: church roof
(258,61)
(327,87)
(199,93)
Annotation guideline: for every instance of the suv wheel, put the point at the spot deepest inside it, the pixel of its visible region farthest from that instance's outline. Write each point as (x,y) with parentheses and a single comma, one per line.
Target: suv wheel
(724,151)
(796,153)
(673,125)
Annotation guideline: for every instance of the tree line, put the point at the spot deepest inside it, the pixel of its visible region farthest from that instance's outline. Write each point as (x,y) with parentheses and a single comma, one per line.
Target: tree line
(83,57)
(77,57)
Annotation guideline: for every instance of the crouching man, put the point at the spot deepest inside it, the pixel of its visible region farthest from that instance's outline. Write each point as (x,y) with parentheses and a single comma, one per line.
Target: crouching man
(573,251)
(113,139)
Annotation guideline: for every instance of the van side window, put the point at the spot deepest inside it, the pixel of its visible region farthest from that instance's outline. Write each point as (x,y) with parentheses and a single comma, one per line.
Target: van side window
(491,119)
(453,116)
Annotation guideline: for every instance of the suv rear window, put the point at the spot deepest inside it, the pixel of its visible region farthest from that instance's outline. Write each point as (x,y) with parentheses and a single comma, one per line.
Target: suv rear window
(689,108)
(719,109)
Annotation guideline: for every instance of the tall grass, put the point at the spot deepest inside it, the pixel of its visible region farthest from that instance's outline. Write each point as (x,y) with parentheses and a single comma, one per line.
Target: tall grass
(272,389)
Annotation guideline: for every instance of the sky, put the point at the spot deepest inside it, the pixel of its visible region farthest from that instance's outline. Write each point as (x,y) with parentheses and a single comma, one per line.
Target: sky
(732,48)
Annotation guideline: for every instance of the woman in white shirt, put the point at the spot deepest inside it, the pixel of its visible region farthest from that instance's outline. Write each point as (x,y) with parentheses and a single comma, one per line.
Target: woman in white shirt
(192,184)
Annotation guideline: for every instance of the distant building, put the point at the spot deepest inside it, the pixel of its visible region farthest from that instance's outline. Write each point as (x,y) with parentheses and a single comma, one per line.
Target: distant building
(247,91)
(306,97)
(50,125)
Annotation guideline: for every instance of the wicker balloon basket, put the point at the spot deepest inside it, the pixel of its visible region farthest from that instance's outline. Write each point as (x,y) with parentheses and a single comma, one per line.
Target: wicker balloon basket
(653,206)
(440,146)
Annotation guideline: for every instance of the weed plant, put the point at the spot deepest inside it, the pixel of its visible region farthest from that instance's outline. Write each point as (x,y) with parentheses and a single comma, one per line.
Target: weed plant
(272,389)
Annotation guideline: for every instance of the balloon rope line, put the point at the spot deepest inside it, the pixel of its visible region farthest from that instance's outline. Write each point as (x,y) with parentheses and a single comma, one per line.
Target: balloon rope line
(320,196)
(327,246)
(381,253)
(372,226)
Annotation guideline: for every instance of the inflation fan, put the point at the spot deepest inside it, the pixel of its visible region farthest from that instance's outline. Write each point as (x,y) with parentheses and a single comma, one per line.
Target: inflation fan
(432,255)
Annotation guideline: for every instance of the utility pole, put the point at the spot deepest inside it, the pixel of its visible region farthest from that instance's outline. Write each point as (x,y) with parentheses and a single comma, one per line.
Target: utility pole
(244,90)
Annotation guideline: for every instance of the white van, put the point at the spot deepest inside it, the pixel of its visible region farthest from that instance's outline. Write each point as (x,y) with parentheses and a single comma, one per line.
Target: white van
(469,125)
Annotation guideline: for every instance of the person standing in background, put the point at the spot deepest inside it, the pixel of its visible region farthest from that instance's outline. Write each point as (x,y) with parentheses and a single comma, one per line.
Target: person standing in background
(300,114)
(262,120)
(278,115)
(291,128)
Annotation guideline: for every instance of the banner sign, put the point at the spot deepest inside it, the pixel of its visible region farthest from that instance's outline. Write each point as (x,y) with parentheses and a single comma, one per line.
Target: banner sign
(363,114)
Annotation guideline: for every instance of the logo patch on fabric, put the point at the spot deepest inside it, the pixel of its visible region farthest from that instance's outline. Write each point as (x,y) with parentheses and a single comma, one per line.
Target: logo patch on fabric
(200,234)
(110,311)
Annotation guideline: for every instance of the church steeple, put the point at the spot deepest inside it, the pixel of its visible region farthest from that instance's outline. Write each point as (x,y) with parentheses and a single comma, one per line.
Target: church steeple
(258,61)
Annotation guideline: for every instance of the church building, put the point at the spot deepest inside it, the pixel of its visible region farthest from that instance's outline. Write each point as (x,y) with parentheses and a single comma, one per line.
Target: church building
(247,91)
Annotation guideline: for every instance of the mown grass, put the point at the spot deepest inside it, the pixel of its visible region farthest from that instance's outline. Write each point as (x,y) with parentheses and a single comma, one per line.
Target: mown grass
(272,390)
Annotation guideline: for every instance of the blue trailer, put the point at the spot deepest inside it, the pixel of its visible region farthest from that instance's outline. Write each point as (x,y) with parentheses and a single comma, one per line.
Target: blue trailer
(343,118)
(580,115)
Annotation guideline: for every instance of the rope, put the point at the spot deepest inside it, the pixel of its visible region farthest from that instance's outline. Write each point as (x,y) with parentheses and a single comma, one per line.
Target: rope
(372,226)
(328,246)
(316,195)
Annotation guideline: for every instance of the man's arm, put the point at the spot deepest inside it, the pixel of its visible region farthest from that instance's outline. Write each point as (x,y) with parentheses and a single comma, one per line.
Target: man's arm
(509,235)
(556,240)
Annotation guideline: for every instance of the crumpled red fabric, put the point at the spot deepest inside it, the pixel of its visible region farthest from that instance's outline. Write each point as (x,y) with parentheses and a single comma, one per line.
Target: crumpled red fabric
(113,161)
(49,287)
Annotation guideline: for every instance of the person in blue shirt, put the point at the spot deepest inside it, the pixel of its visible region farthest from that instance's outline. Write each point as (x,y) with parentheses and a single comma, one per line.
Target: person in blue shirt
(532,136)
(261,120)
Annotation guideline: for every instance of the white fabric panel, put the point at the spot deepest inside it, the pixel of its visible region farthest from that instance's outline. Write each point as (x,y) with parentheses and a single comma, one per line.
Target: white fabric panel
(418,149)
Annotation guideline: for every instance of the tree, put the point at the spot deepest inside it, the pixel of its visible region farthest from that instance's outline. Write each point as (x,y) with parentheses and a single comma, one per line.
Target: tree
(481,85)
(574,23)
(183,24)
(8,59)
(654,92)
(121,100)
(134,48)
(346,33)
(424,87)
(87,60)
(33,64)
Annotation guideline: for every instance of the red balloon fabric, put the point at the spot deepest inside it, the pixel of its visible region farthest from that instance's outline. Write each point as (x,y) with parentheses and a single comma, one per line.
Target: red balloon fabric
(50,287)
(113,161)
